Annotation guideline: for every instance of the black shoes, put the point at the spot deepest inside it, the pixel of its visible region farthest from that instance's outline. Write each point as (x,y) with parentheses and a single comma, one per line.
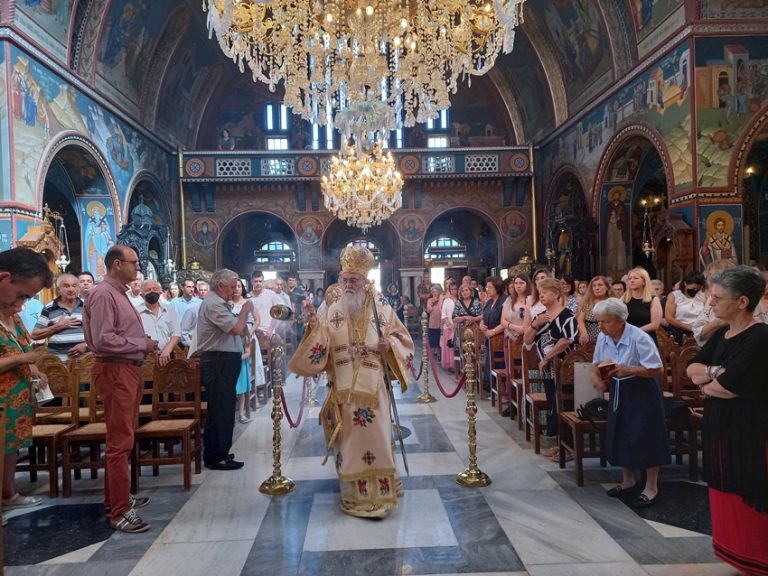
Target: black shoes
(643,501)
(229,463)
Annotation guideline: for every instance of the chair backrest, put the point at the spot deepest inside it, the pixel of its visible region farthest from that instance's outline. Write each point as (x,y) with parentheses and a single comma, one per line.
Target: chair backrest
(531,375)
(148,368)
(64,385)
(566,377)
(176,385)
(681,384)
(667,346)
(496,350)
(84,366)
(513,358)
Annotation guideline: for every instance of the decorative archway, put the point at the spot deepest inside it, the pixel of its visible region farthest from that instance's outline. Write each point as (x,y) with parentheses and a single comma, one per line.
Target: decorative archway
(474,229)
(76,175)
(238,241)
(572,232)
(749,183)
(631,193)
(384,236)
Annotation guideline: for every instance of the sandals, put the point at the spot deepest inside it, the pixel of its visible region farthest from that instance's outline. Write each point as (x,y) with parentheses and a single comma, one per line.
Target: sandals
(244,420)
(19,501)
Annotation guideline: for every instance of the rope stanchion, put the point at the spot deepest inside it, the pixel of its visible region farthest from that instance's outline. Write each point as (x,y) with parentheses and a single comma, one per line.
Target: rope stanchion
(291,423)
(426,397)
(462,380)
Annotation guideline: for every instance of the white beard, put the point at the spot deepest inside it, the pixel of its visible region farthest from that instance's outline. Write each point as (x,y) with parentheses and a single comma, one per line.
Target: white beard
(353,302)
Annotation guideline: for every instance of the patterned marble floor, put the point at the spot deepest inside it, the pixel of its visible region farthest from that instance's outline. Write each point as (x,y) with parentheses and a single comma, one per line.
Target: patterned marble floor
(532,519)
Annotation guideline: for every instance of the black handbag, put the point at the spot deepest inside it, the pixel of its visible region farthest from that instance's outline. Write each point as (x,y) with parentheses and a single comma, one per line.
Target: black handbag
(676,408)
(595,409)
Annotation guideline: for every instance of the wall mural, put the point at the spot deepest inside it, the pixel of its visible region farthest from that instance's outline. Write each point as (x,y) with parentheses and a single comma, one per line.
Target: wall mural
(659,97)
(731,86)
(43,105)
(98,233)
(578,32)
(720,231)
(514,225)
(529,87)
(47,21)
(205,231)
(734,9)
(127,41)
(616,228)
(309,230)
(176,110)
(6,233)
(655,20)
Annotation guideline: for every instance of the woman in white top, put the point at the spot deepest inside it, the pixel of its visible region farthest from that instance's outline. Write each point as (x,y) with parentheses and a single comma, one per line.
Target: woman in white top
(515,306)
(684,306)
(446,321)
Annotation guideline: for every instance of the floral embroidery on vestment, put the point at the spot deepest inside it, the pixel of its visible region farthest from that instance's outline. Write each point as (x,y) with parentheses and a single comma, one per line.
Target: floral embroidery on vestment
(363,417)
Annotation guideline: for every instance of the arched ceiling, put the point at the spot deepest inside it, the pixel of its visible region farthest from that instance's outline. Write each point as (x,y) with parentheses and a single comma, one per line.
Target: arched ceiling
(154,59)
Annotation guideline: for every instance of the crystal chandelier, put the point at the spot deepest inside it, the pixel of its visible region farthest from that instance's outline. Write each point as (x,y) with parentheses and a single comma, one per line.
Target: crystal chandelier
(363,186)
(332,54)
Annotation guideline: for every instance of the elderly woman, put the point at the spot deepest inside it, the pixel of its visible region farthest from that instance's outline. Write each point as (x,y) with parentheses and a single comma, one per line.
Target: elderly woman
(732,370)
(554,331)
(637,437)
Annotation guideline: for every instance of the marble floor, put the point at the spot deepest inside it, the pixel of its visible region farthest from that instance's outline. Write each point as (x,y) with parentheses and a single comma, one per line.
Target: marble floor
(532,519)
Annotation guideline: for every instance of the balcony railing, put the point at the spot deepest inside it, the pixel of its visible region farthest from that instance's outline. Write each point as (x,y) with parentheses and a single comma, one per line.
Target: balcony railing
(421,163)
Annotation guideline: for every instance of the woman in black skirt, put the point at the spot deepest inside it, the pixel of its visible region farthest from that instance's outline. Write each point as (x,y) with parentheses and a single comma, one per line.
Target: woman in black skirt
(637,435)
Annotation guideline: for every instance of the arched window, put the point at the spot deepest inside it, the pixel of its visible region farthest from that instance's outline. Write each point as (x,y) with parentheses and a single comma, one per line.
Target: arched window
(445,248)
(274,253)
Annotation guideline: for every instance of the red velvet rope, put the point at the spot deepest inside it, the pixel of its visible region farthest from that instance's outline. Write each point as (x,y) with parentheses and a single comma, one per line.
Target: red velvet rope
(421,369)
(462,380)
(301,410)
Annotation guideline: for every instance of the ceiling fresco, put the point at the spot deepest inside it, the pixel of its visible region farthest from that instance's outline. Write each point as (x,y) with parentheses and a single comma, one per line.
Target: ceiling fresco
(144,60)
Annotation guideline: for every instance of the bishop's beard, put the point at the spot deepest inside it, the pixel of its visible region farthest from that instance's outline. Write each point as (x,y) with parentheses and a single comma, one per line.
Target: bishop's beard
(353,302)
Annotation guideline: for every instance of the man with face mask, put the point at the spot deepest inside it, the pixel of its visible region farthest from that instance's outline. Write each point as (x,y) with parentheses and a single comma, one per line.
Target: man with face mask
(160,322)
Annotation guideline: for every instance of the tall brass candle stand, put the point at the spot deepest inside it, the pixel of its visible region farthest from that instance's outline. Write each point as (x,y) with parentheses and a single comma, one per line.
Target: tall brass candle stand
(472,477)
(277,484)
(426,397)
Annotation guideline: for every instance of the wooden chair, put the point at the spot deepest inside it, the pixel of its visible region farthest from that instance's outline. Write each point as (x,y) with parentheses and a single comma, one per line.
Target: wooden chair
(667,346)
(496,355)
(176,387)
(514,364)
(573,431)
(83,367)
(682,386)
(51,421)
(535,399)
(148,370)
(92,436)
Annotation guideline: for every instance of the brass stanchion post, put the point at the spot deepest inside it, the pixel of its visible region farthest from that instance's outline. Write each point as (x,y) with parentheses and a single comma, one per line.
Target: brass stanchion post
(472,477)
(426,397)
(277,483)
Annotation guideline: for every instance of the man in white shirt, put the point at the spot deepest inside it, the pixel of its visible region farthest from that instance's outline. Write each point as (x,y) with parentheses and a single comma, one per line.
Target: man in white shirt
(263,300)
(134,290)
(160,322)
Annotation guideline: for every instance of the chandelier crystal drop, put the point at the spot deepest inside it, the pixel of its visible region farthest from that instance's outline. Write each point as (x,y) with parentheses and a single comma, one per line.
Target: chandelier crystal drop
(363,186)
(331,54)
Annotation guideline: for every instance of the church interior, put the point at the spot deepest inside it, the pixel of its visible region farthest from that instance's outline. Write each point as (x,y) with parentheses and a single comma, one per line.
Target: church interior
(615,134)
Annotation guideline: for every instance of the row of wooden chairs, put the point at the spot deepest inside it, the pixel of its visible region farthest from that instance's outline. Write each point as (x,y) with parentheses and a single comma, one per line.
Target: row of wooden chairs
(517,383)
(76,421)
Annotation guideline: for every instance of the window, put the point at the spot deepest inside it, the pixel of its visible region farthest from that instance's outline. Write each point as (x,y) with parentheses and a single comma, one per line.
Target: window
(438,135)
(445,248)
(274,253)
(280,143)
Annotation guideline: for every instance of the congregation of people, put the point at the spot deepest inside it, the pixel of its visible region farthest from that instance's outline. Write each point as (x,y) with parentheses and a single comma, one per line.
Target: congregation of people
(357,339)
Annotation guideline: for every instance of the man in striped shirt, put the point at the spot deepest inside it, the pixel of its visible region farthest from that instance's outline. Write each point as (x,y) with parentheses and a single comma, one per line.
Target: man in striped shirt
(61,321)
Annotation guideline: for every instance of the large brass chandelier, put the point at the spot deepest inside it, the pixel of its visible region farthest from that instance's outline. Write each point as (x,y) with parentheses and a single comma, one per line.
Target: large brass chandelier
(333,54)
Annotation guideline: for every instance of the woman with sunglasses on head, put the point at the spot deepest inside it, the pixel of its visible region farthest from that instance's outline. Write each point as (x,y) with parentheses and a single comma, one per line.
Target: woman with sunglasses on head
(568,293)
(515,306)
(585,317)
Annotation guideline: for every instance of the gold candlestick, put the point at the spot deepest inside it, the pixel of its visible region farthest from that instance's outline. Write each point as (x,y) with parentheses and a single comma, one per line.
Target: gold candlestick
(277,483)
(472,477)
(426,397)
